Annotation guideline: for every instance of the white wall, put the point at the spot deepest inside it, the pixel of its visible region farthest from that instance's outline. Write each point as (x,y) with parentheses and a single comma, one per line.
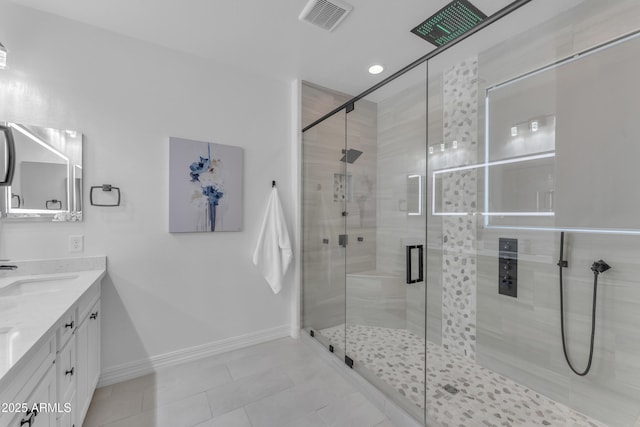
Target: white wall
(164,292)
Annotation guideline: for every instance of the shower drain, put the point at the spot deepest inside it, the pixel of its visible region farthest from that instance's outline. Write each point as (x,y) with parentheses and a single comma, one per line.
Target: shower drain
(450,389)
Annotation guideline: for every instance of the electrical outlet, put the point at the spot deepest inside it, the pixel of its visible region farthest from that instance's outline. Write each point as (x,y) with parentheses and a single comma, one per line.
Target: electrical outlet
(76,243)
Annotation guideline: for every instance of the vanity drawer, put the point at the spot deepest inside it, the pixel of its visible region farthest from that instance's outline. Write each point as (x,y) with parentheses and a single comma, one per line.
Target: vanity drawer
(67,325)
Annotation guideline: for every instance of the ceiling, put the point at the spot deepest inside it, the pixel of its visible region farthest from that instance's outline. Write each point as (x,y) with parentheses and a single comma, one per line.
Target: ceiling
(266,37)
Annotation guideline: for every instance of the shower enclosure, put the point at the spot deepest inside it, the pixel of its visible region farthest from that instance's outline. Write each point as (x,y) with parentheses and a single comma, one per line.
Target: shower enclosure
(433,208)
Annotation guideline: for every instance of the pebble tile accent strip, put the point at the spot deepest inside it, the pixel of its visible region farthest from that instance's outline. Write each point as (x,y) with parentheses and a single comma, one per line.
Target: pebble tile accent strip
(460,193)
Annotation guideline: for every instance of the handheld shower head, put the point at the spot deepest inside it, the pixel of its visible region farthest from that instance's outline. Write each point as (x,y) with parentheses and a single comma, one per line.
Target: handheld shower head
(599,267)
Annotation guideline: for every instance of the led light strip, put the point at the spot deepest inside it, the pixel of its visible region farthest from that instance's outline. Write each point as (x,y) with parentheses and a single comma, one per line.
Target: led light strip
(579,230)
(39,141)
(486,165)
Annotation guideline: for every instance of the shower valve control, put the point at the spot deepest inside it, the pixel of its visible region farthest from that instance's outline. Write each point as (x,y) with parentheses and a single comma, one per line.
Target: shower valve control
(508,267)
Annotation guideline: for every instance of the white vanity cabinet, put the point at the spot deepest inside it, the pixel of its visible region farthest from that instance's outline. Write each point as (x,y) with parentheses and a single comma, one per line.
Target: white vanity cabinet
(78,359)
(58,374)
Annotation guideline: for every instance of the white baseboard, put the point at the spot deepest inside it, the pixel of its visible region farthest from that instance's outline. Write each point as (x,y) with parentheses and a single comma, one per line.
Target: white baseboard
(131,370)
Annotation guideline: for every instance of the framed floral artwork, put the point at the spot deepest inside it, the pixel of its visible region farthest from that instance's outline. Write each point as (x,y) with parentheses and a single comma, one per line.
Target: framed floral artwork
(205,186)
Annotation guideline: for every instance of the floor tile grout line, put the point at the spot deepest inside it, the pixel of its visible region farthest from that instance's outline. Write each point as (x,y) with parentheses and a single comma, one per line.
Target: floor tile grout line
(247,415)
(190,393)
(206,396)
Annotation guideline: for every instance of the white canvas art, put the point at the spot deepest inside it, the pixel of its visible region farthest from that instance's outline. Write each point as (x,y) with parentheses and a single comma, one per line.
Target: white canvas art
(205,186)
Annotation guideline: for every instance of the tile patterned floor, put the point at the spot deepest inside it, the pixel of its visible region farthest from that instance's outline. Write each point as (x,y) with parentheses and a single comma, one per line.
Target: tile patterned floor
(276,384)
(484,398)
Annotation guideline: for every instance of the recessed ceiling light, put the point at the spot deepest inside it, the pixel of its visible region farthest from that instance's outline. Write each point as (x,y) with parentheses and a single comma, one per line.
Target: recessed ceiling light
(376,69)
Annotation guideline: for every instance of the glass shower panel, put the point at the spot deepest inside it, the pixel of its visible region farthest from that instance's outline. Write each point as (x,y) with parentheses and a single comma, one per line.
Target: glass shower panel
(326,190)
(518,129)
(385,287)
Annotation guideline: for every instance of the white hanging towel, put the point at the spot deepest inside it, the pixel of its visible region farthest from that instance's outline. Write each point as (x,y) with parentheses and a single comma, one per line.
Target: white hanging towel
(273,252)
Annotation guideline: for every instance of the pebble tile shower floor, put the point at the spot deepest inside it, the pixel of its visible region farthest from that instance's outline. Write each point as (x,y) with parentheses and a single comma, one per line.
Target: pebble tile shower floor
(483,397)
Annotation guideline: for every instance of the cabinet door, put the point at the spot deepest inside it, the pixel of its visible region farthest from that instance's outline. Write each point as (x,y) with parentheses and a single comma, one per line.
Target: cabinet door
(93,354)
(66,418)
(44,393)
(82,379)
(67,370)
(88,343)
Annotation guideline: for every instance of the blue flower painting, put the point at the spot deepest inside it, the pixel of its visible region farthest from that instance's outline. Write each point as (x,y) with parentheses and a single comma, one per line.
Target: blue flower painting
(207,194)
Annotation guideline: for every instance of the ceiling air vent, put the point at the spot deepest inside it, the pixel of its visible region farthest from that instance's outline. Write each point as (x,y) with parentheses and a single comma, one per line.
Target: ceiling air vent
(325,14)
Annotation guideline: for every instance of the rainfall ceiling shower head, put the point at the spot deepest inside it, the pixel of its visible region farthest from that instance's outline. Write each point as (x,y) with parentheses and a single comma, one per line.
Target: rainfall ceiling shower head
(449,23)
(350,155)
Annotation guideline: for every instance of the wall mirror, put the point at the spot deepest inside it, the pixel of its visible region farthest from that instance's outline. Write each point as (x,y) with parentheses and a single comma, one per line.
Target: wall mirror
(47,180)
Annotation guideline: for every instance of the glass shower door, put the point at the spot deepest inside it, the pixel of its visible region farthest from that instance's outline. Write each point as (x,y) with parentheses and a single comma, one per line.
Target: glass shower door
(385,223)
(530,136)
(324,197)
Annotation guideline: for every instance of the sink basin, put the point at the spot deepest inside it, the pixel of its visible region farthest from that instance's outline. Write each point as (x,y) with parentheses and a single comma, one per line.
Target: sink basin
(34,285)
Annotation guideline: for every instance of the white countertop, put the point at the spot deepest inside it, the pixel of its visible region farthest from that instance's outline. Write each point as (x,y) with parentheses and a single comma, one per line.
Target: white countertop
(31,306)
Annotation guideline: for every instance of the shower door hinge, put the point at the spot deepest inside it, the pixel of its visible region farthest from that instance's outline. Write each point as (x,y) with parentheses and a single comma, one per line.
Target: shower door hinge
(348,361)
(312,333)
(351,107)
